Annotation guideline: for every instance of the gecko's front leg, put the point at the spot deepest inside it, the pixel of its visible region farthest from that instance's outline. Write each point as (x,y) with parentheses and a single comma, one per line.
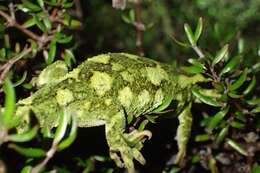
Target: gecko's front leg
(124,147)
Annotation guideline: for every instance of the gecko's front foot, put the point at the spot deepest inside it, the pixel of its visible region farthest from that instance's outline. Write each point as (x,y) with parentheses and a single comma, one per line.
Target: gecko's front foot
(128,148)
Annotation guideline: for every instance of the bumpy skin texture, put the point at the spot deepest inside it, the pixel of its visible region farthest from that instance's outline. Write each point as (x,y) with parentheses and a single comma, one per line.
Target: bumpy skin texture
(105,90)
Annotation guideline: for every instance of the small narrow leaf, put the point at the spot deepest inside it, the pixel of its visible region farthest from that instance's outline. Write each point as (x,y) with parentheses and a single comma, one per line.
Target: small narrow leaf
(52,52)
(72,136)
(9,105)
(254,101)
(41,3)
(31,6)
(193,69)
(23,137)
(222,134)
(231,65)
(20,81)
(202,137)
(47,22)
(220,55)
(60,131)
(256,110)
(237,147)
(205,99)
(250,86)
(196,63)
(235,85)
(237,125)
(217,118)
(198,29)
(189,34)
(28,152)
(30,22)
(27,169)
(39,23)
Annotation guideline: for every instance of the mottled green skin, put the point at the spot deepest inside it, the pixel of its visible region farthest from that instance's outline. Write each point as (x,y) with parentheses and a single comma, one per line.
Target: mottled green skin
(105,90)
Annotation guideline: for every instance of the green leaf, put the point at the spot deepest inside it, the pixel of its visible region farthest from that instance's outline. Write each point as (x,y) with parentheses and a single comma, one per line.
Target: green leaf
(205,99)
(231,64)
(72,136)
(217,118)
(2,53)
(250,87)
(63,39)
(179,42)
(132,15)
(47,22)
(23,137)
(222,134)
(126,19)
(69,57)
(196,63)
(31,6)
(254,101)
(234,95)
(240,81)
(60,131)
(27,169)
(213,165)
(20,81)
(220,55)
(30,22)
(41,3)
(193,69)
(39,24)
(9,104)
(256,110)
(237,125)
(28,152)
(241,45)
(68,4)
(52,52)
(143,124)
(189,34)
(256,168)
(202,137)
(198,30)
(237,147)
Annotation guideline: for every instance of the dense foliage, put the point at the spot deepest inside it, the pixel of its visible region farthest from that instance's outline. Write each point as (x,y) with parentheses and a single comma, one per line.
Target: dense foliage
(221,42)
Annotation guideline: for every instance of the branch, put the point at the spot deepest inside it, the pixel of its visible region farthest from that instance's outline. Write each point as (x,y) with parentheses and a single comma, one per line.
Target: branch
(139,28)
(13,23)
(7,66)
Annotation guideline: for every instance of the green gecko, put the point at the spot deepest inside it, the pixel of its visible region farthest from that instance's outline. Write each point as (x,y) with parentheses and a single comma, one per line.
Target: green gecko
(107,90)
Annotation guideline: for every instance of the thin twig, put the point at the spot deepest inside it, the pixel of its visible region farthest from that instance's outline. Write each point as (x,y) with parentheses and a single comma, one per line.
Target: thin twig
(139,28)
(49,155)
(198,51)
(13,23)
(7,66)
(78,9)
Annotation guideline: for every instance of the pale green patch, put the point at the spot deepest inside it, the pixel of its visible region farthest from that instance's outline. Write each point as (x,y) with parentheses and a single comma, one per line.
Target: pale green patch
(101,82)
(131,56)
(27,101)
(74,73)
(108,102)
(127,76)
(53,73)
(143,98)
(117,67)
(125,96)
(103,58)
(158,98)
(184,81)
(64,96)
(156,74)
